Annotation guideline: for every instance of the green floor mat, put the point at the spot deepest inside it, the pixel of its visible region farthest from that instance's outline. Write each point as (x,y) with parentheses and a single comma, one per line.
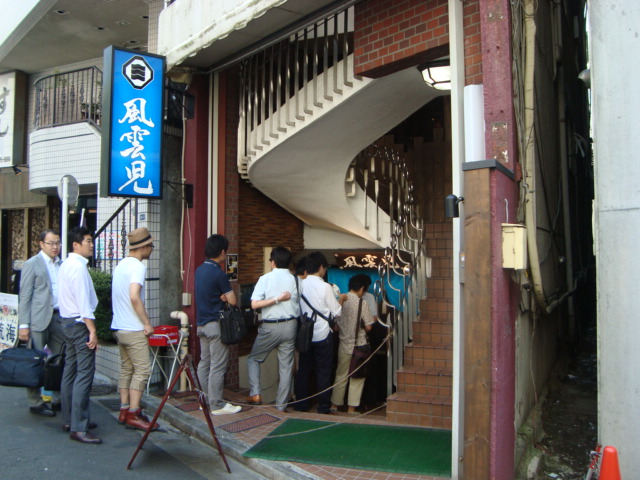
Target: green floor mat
(365,447)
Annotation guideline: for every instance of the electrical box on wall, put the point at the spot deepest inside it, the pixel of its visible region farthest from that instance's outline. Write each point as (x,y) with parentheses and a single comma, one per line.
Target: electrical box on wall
(514,246)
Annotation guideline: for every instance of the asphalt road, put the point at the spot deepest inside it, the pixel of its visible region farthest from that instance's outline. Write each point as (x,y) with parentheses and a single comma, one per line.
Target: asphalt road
(36,448)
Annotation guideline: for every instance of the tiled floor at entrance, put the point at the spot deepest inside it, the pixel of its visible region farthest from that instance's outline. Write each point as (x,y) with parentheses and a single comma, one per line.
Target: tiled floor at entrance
(253,435)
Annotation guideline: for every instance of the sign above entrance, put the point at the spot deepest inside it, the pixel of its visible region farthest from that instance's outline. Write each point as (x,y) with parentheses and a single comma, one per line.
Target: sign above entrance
(359,259)
(132,132)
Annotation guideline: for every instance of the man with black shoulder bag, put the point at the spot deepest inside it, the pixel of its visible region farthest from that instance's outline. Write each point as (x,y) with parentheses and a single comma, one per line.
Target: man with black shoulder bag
(318,296)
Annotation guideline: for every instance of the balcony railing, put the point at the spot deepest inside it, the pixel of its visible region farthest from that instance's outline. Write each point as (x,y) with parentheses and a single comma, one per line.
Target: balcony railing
(69,97)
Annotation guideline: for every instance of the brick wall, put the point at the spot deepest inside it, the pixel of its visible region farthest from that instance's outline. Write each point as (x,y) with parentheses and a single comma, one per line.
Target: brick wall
(391,35)
(230,211)
(472,43)
(263,223)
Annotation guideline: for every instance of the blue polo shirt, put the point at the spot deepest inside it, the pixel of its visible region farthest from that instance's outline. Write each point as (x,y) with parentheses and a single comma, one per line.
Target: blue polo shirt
(210,283)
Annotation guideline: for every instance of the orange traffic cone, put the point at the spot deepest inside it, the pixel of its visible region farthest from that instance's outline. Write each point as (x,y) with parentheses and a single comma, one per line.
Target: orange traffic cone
(609,468)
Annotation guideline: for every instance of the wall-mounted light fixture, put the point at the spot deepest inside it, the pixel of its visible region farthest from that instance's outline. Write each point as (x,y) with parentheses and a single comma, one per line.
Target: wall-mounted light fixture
(437,74)
(16,170)
(451,209)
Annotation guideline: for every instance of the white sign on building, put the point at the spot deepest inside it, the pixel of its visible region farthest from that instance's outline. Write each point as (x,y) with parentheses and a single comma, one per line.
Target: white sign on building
(12,118)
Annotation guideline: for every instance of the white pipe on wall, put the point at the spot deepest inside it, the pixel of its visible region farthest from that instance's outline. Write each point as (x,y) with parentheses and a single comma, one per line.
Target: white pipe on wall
(474,126)
(456,55)
(529,153)
(184,348)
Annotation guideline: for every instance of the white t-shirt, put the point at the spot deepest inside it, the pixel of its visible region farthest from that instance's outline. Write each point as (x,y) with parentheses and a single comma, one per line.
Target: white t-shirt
(130,270)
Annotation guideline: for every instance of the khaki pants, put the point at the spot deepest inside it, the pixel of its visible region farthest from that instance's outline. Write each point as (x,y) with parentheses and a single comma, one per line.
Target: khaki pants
(135,362)
(355,384)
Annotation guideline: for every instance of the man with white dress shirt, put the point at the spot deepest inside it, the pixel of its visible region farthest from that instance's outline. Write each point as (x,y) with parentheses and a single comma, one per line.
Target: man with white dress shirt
(319,359)
(276,293)
(38,312)
(77,299)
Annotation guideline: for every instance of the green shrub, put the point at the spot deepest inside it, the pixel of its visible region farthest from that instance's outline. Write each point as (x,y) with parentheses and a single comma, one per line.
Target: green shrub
(103,313)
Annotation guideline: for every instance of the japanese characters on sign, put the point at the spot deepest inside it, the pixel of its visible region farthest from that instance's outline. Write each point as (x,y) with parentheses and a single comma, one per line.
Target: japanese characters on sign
(134,156)
(8,320)
(358,260)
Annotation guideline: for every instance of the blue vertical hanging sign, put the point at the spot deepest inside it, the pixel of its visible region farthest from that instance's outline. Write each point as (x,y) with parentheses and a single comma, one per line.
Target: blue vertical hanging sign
(132,134)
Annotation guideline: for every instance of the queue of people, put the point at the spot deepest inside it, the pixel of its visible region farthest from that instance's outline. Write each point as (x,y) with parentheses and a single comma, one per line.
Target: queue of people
(58,301)
(57,305)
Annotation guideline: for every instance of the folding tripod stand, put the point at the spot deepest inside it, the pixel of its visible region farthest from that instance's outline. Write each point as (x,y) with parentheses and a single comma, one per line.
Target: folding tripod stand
(187,366)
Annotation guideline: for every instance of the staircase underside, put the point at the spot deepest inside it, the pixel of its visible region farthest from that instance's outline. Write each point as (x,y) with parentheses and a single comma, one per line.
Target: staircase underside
(305,173)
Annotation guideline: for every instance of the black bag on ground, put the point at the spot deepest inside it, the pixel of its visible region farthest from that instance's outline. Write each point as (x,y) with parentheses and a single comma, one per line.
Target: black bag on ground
(22,367)
(232,326)
(304,335)
(53,370)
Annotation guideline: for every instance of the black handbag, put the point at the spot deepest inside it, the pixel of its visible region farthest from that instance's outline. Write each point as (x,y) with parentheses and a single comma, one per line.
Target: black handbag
(232,326)
(53,370)
(360,354)
(330,320)
(304,335)
(22,367)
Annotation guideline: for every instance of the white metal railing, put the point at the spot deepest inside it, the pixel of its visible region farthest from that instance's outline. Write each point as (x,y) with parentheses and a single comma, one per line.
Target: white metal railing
(284,83)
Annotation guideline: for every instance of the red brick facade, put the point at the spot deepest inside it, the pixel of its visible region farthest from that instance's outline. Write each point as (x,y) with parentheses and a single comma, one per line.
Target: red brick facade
(391,35)
(264,223)
(472,43)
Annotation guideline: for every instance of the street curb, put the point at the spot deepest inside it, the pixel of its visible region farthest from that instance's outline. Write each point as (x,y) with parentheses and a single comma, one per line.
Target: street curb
(230,446)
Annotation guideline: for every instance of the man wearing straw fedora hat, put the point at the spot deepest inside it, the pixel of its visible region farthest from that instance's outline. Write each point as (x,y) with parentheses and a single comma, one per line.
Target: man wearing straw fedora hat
(132,328)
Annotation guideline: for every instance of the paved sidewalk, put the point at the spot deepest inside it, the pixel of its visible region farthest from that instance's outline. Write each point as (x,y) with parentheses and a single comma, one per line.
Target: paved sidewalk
(182,412)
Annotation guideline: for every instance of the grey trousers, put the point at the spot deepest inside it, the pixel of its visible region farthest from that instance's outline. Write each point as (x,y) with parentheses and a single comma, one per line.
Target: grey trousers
(214,356)
(79,368)
(271,336)
(53,337)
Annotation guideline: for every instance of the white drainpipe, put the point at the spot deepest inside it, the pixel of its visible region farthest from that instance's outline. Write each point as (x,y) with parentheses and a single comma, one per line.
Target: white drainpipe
(184,347)
(456,55)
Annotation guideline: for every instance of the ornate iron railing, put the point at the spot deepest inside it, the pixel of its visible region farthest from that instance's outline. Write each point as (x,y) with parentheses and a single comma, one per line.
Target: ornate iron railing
(69,97)
(110,240)
(382,173)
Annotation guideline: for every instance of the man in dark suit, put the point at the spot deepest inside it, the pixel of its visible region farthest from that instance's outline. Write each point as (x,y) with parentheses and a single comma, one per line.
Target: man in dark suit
(38,312)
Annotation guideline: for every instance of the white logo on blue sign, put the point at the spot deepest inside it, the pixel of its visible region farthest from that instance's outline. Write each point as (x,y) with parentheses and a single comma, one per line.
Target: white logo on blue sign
(138,72)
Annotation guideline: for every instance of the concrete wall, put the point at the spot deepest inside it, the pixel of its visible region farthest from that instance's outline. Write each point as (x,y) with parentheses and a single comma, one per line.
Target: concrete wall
(614,32)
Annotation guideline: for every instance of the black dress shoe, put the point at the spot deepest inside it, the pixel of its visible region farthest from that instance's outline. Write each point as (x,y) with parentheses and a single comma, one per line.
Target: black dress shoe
(84,437)
(43,410)
(56,407)
(67,428)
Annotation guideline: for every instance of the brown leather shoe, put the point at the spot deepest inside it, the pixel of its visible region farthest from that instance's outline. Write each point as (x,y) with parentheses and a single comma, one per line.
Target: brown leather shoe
(122,418)
(254,400)
(135,419)
(67,428)
(84,437)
